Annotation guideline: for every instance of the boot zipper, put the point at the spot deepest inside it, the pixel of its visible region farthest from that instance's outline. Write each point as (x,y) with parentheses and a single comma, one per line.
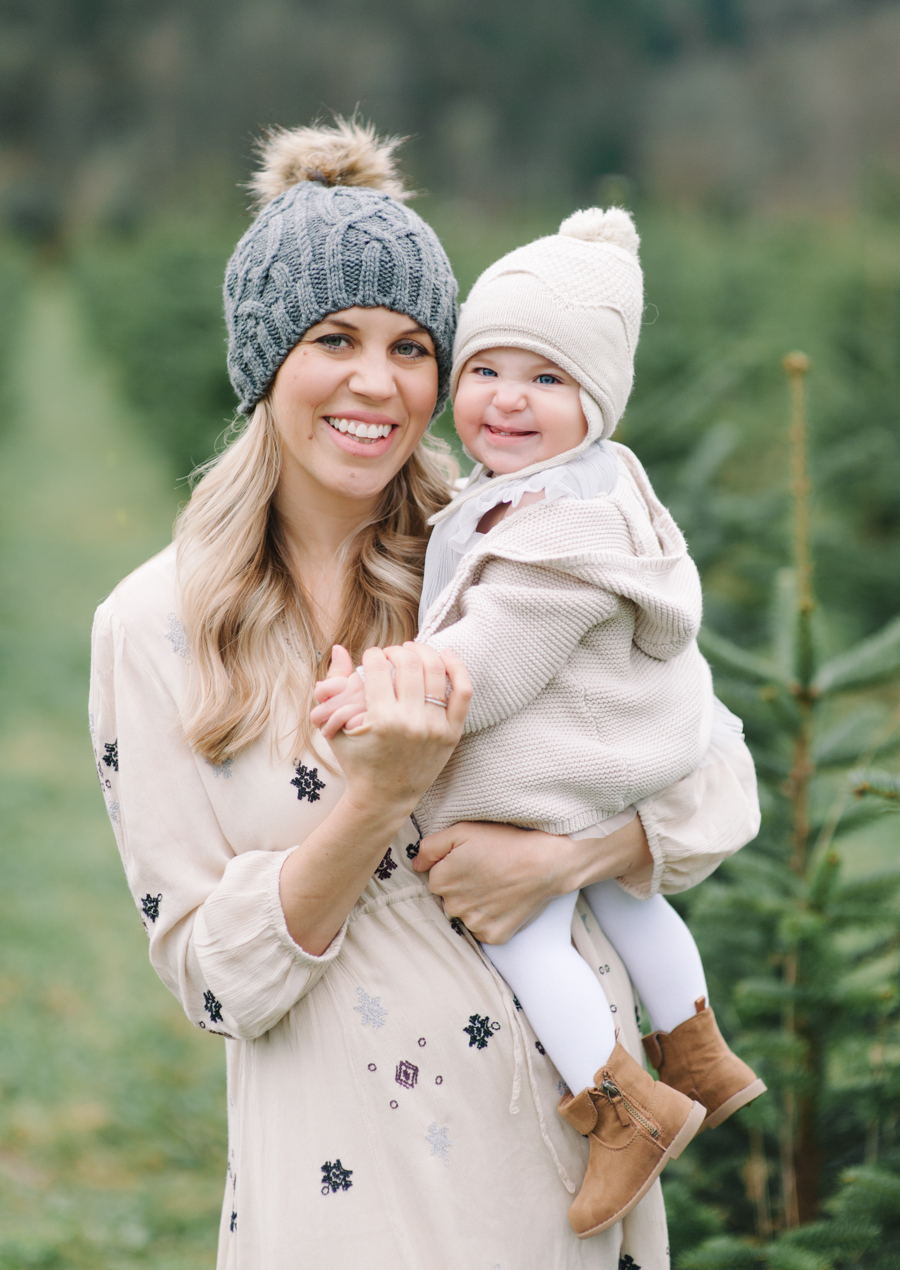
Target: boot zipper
(611,1091)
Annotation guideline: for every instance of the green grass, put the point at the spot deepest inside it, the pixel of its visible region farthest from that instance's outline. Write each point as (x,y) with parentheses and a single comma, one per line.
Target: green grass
(112,1141)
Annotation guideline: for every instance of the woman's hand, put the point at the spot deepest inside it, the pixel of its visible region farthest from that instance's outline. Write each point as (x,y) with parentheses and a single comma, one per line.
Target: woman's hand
(398,752)
(495,878)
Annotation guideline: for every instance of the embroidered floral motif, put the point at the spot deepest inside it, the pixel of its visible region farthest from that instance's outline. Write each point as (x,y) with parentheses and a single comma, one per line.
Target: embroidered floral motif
(393,1105)
(335,1177)
(370,1010)
(516,1002)
(372,1067)
(438,1138)
(307,783)
(413,850)
(387,866)
(539,1047)
(223,769)
(458,926)
(480,1030)
(212,1007)
(406,1074)
(628,1263)
(150,906)
(176,636)
(562,1088)
(422,1042)
(439,1080)
(112,810)
(111,757)
(233,1225)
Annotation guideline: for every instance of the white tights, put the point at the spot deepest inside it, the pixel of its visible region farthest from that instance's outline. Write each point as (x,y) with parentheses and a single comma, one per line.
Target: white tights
(563,999)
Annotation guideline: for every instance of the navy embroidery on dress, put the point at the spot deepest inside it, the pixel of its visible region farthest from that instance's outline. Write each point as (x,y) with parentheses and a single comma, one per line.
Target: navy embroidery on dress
(406,1074)
(112,810)
(111,757)
(335,1177)
(637,1015)
(458,926)
(438,1139)
(539,1047)
(233,1225)
(370,1010)
(413,850)
(422,1042)
(387,866)
(150,906)
(480,1030)
(516,1002)
(439,1080)
(212,1007)
(223,769)
(372,1067)
(628,1263)
(307,783)
(393,1105)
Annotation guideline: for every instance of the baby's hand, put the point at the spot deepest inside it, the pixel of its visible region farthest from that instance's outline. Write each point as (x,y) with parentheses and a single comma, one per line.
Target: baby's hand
(342,704)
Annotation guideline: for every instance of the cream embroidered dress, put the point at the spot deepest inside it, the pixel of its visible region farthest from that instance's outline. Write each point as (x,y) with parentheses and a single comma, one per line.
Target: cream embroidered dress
(388,1105)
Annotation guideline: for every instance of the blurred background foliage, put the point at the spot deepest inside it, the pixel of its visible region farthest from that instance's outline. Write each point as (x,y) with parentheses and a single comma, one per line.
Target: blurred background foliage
(758,143)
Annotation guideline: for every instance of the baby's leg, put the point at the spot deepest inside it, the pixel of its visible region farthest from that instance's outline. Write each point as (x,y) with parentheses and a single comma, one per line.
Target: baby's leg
(657,948)
(558,991)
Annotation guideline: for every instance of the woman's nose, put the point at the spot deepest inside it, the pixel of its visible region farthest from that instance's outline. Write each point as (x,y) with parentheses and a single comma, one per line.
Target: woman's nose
(373,377)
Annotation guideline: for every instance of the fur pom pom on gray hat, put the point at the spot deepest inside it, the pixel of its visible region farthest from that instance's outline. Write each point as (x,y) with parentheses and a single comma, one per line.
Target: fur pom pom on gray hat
(575,297)
(332,233)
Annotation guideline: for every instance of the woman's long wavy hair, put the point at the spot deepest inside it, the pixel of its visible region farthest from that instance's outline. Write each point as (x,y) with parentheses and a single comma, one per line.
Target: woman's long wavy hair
(250,628)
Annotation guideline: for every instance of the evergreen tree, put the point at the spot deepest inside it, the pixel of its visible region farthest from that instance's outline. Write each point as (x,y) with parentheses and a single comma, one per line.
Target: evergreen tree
(803,951)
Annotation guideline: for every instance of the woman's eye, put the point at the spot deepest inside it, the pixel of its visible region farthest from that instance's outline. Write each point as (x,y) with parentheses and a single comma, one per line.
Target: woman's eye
(548,379)
(409,348)
(333,341)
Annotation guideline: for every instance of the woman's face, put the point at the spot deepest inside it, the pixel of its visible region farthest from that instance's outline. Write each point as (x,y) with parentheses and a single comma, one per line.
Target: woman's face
(351,402)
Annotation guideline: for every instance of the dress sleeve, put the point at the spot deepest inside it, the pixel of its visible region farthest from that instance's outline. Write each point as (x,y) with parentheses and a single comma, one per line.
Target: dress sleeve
(695,824)
(218,938)
(508,669)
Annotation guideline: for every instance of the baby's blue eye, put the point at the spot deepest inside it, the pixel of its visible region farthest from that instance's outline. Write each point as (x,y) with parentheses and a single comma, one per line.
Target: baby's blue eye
(548,379)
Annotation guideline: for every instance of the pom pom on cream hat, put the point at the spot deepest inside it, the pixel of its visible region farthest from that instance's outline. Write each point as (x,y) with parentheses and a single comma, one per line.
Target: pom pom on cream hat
(575,297)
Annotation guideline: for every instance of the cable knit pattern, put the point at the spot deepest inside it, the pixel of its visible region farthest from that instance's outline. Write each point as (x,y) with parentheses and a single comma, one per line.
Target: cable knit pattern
(577,621)
(315,250)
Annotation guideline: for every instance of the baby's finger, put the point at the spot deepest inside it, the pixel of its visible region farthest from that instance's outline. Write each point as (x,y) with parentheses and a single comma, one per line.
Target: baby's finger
(327,688)
(460,690)
(338,720)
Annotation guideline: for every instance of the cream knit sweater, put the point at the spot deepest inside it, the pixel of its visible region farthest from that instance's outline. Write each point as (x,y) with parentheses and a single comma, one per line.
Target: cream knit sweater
(577,621)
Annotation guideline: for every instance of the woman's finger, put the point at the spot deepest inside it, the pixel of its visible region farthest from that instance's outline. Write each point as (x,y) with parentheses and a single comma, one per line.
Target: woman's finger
(433,848)
(460,690)
(341,662)
(409,681)
(380,693)
(436,685)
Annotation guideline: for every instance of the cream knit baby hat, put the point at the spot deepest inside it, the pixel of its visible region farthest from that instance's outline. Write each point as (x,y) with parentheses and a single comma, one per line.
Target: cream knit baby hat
(576,297)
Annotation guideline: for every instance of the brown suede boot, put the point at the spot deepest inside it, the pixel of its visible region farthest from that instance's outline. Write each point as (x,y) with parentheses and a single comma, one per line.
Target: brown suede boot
(695,1060)
(635,1125)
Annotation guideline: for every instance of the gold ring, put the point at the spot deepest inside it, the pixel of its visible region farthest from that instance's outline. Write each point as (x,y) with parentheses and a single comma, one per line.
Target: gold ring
(436,701)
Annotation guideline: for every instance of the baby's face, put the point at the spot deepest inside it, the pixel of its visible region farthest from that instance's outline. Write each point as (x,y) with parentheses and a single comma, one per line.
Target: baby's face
(514,408)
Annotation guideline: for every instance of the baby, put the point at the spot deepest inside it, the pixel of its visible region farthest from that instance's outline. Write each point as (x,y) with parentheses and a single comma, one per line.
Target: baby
(566,588)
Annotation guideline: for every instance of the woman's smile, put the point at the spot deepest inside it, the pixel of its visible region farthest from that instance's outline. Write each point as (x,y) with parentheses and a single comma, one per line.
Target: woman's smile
(362,432)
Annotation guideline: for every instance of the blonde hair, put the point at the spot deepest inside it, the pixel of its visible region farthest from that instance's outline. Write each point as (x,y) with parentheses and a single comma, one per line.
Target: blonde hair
(250,628)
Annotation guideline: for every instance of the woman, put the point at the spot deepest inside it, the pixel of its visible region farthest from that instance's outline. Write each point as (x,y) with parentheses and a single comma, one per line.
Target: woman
(388,1106)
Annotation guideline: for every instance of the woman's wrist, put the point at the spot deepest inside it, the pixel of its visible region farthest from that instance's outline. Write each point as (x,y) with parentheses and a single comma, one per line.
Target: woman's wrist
(622,854)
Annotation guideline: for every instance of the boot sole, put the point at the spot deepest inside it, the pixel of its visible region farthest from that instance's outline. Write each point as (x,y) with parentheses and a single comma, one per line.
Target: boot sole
(688,1130)
(733,1104)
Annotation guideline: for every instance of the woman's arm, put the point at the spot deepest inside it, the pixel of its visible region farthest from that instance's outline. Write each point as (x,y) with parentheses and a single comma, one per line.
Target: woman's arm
(221,939)
(495,878)
(388,764)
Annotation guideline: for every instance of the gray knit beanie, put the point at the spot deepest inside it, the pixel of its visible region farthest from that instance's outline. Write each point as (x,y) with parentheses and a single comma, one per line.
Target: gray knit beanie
(332,233)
